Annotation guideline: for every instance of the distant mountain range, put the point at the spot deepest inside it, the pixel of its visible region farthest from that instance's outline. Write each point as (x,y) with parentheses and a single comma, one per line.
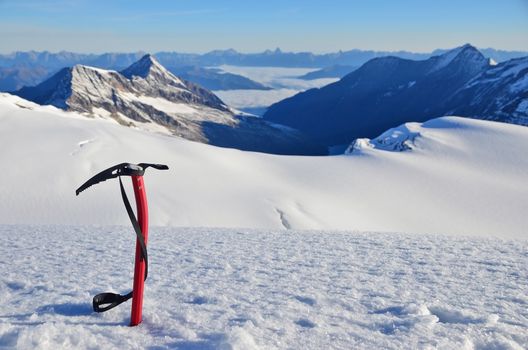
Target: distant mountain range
(277,58)
(147,96)
(20,69)
(388,91)
(14,78)
(383,93)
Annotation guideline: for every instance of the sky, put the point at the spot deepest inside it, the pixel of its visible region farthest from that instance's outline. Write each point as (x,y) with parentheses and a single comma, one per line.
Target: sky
(97,26)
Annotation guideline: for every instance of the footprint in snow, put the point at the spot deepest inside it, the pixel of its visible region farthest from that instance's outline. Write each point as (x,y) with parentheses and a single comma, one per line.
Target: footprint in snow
(393,310)
(306,300)
(446,315)
(200,300)
(305,323)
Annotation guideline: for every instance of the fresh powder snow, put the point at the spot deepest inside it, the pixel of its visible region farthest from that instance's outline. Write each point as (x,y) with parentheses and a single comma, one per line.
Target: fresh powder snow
(414,239)
(461,176)
(247,289)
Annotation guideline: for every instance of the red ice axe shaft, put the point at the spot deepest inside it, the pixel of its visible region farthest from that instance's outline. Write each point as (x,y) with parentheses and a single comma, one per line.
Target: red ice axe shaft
(105,301)
(139,267)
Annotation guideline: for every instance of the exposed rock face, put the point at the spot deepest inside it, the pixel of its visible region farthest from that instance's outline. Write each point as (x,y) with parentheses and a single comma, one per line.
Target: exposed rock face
(499,93)
(386,92)
(148,96)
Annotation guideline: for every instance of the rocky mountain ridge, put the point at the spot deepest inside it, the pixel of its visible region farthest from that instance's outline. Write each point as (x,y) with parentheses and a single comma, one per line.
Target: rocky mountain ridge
(386,92)
(148,96)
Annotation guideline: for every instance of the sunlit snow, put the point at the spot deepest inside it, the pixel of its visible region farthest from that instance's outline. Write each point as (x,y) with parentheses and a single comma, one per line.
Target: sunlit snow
(414,239)
(246,289)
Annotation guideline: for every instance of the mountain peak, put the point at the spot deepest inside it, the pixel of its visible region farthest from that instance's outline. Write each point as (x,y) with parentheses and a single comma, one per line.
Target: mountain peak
(142,68)
(269,52)
(470,55)
(466,53)
(148,58)
(468,48)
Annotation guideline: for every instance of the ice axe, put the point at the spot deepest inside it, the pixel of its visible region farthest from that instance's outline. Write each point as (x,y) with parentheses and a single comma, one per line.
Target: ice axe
(105,301)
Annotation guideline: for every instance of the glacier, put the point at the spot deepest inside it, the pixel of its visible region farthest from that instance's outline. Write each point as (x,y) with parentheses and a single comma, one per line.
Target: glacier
(416,238)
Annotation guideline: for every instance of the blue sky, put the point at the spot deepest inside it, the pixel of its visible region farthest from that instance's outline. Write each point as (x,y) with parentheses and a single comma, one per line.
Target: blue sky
(251,26)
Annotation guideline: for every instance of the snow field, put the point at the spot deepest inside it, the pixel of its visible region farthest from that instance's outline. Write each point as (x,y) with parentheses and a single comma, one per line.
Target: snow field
(255,289)
(458,176)
(273,287)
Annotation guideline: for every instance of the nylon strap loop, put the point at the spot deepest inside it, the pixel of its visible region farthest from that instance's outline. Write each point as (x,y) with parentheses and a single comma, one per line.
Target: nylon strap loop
(112,300)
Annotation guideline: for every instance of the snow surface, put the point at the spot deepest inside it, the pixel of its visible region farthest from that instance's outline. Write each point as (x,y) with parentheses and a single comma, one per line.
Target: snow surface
(244,99)
(99,70)
(188,111)
(272,286)
(167,106)
(246,289)
(516,66)
(285,82)
(462,176)
(148,65)
(523,107)
(520,85)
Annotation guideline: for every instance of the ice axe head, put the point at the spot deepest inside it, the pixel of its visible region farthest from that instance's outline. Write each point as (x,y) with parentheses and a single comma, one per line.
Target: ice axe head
(123,169)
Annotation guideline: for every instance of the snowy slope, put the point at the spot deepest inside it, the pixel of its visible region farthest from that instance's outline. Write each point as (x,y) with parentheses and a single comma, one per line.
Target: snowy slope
(242,289)
(459,177)
(149,97)
(265,287)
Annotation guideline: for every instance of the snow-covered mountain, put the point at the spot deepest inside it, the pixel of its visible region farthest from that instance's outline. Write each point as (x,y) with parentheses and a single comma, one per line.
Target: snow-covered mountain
(148,96)
(388,91)
(499,93)
(459,176)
